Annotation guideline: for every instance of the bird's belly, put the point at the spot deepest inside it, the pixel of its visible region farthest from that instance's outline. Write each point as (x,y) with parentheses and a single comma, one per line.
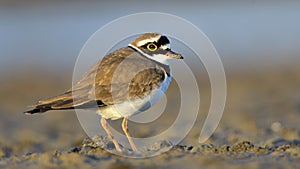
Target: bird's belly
(134,106)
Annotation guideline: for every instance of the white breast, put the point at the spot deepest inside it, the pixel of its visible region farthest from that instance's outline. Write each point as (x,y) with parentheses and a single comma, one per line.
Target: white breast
(137,105)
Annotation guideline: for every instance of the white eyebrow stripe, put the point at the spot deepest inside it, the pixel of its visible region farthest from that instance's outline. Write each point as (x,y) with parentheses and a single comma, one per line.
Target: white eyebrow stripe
(166,46)
(145,41)
(157,57)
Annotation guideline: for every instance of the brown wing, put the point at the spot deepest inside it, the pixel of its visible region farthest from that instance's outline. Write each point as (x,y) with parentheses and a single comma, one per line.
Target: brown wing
(119,76)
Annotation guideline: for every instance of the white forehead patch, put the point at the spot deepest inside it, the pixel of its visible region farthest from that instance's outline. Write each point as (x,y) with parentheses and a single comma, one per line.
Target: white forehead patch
(145,41)
(166,46)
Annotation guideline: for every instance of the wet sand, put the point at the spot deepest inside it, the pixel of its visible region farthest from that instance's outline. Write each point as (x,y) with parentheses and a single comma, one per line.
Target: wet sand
(259,128)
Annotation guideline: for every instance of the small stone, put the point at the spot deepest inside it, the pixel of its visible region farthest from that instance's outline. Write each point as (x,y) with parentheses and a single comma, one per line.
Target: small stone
(58,153)
(276,127)
(73,150)
(244,146)
(189,148)
(160,145)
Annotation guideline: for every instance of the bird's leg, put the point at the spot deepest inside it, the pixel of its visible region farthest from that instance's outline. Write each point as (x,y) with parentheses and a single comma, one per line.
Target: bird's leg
(106,128)
(125,129)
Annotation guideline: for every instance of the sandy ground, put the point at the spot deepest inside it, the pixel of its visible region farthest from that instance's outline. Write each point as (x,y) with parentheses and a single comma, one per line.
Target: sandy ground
(259,129)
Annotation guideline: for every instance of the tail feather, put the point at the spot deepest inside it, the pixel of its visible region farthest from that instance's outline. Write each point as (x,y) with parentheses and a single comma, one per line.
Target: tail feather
(49,104)
(36,110)
(54,100)
(63,102)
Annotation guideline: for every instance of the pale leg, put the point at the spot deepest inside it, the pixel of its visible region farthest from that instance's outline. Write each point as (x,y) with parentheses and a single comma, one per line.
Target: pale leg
(106,128)
(125,129)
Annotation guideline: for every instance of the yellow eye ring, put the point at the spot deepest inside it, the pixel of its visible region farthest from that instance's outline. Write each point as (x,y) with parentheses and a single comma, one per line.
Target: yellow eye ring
(151,47)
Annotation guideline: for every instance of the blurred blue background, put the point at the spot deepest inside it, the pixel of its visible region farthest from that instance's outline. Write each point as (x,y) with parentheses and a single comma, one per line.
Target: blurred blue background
(249,35)
(257,40)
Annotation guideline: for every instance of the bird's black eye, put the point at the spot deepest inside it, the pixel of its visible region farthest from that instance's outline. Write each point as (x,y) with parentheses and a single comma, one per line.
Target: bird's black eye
(151,47)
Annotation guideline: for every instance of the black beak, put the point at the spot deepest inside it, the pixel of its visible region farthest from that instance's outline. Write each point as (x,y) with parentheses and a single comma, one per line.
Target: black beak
(174,55)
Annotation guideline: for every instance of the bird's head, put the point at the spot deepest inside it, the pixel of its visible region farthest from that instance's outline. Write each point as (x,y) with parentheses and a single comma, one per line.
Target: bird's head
(155,46)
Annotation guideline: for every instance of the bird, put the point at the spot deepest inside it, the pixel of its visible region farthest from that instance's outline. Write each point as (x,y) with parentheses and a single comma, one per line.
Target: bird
(123,83)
